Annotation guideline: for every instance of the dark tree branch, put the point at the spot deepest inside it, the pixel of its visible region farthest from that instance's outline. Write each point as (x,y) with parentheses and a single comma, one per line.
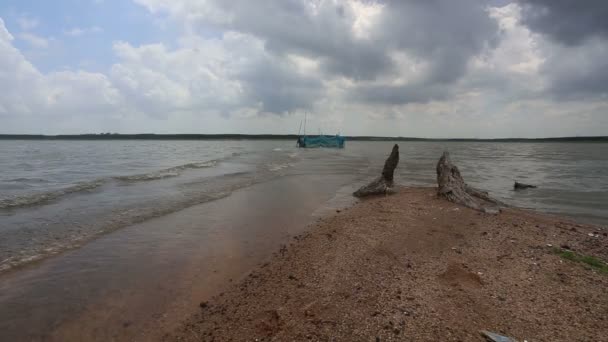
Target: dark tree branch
(384,184)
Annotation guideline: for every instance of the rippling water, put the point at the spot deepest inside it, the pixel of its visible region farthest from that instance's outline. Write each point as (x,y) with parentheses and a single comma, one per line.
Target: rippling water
(57,194)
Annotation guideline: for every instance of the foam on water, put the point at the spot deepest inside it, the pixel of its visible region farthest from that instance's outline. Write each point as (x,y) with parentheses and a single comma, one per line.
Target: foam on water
(45,197)
(166,173)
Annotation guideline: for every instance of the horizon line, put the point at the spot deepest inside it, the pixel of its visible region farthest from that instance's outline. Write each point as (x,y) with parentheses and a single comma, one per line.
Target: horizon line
(227,136)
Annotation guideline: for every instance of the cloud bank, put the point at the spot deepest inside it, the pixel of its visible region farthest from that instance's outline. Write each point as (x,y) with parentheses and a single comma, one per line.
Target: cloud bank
(436,68)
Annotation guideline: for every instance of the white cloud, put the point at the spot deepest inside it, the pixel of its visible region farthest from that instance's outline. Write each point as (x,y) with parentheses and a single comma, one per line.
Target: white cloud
(27,23)
(518,51)
(158,81)
(77,31)
(34,40)
(5,36)
(29,92)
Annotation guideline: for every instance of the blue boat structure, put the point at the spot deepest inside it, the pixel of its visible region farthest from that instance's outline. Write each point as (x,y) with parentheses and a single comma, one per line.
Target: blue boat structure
(314,141)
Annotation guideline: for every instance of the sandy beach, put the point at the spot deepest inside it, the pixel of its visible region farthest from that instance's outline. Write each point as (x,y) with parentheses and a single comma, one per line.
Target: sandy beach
(413,267)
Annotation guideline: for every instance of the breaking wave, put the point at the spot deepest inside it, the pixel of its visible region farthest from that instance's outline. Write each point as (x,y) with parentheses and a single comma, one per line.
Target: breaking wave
(215,188)
(167,173)
(278,167)
(44,197)
(48,196)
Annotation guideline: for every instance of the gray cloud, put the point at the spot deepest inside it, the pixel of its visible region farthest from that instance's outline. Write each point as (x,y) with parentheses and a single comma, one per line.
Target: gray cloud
(446,33)
(576,65)
(442,33)
(394,95)
(278,88)
(567,21)
(577,73)
(293,26)
(363,61)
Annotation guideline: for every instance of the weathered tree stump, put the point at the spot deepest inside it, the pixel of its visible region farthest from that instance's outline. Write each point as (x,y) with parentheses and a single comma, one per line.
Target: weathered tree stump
(384,184)
(453,188)
(522,186)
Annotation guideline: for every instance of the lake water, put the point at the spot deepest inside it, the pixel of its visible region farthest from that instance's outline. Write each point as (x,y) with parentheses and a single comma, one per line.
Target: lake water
(176,220)
(57,194)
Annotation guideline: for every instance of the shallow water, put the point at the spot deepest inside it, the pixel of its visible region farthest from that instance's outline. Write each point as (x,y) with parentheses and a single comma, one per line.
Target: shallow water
(155,226)
(139,281)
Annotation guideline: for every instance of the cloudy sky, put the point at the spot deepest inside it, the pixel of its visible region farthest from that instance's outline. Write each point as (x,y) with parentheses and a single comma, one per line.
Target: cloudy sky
(432,68)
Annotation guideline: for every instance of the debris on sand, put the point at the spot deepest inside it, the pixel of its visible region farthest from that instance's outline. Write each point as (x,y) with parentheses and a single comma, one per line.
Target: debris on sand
(494,337)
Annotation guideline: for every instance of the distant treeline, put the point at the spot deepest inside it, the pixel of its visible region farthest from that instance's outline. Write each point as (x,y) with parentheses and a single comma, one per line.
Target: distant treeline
(115,136)
(556,139)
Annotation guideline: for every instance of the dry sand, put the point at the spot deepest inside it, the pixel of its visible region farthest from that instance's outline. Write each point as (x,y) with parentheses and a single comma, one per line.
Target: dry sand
(412,267)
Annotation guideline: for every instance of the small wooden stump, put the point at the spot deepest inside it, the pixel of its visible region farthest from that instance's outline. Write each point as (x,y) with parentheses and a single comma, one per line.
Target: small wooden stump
(384,184)
(453,188)
(522,186)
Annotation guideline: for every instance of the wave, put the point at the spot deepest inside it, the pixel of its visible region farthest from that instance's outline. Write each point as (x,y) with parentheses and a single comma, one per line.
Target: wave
(28,180)
(216,187)
(279,167)
(44,197)
(167,173)
(48,196)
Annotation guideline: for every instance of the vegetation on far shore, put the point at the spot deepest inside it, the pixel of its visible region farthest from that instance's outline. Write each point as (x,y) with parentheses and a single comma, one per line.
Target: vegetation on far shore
(150,136)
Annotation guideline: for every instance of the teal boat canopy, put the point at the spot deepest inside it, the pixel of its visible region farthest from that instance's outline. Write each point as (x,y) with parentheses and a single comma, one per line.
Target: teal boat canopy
(307,141)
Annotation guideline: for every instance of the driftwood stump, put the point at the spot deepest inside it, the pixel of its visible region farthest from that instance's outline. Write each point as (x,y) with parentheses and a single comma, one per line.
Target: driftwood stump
(384,184)
(522,186)
(453,188)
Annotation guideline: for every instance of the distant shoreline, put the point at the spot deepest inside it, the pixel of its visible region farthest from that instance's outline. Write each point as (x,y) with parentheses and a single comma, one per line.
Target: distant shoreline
(108,136)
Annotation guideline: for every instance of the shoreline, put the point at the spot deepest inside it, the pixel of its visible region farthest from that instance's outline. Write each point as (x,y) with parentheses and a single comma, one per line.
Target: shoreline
(291,137)
(138,282)
(414,267)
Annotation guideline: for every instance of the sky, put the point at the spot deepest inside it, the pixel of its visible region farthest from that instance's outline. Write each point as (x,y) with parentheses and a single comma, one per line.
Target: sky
(433,68)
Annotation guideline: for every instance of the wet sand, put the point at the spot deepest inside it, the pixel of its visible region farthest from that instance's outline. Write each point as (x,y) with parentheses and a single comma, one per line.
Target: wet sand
(136,283)
(412,267)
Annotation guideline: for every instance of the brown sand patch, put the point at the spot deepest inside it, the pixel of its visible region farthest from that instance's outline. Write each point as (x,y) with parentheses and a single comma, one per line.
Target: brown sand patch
(457,275)
(412,267)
